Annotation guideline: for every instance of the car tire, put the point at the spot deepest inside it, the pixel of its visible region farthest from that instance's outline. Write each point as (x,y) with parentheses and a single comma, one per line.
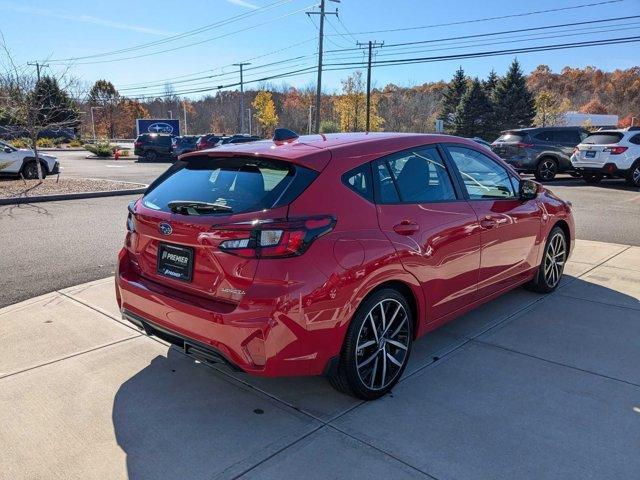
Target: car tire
(633,176)
(30,170)
(551,267)
(150,156)
(377,346)
(592,177)
(546,169)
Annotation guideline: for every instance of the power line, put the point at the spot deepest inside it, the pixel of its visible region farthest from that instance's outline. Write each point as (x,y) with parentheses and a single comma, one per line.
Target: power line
(486,19)
(179,36)
(409,61)
(200,42)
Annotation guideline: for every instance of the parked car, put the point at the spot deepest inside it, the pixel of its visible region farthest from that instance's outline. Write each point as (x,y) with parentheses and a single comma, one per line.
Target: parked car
(209,140)
(543,151)
(183,144)
(613,153)
(238,255)
(14,161)
(153,146)
(239,138)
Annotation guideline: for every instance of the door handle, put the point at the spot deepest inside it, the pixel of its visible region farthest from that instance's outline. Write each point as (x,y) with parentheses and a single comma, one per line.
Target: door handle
(406,227)
(488,223)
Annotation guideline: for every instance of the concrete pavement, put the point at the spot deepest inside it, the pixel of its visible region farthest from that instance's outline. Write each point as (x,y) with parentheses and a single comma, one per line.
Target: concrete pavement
(527,386)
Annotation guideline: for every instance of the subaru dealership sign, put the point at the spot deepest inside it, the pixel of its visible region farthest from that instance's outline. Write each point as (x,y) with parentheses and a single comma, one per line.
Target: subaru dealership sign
(169,126)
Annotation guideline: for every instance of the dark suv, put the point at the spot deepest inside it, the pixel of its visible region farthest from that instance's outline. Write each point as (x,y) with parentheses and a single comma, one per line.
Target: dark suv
(152,146)
(239,139)
(183,144)
(543,151)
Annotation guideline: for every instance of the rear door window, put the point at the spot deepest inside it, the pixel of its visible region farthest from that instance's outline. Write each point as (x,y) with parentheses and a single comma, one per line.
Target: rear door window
(236,185)
(420,176)
(545,136)
(603,138)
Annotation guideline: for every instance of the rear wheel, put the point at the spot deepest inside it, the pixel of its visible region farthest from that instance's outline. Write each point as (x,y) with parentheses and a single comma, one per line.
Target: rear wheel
(633,177)
(150,156)
(30,171)
(546,169)
(592,177)
(377,346)
(550,270)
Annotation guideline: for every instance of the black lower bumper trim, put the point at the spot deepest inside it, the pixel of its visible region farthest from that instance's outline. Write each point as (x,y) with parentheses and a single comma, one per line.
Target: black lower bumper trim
(193,348)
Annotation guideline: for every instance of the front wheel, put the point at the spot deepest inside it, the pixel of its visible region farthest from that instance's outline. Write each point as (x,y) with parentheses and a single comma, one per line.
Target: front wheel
(30,171)
(150,156)
(376,348)
(552,266)
(546,170)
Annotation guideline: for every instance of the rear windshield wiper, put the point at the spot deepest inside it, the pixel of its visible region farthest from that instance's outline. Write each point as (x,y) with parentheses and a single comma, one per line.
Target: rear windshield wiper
(185,207)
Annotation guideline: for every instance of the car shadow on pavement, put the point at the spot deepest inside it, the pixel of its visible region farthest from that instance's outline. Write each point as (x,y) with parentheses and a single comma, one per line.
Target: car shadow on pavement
(177,418)
(610,183)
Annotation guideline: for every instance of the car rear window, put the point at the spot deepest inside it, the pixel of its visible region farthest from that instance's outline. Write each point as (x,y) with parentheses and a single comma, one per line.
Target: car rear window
(511,137)
(240,184)
(603,138)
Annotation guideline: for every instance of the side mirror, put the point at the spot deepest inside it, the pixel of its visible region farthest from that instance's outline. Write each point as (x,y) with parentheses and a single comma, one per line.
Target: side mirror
(7,150)
(528,190)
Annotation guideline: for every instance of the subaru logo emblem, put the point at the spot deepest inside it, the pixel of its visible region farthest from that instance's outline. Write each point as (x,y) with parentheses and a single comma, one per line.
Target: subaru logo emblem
(165,228)
(160,127)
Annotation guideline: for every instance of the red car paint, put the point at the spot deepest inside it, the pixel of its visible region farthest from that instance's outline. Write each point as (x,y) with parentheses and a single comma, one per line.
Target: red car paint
(289,316)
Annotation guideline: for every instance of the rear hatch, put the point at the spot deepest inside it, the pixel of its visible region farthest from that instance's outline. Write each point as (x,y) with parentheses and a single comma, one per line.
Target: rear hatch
(510,144)
(597,149)
(192,230)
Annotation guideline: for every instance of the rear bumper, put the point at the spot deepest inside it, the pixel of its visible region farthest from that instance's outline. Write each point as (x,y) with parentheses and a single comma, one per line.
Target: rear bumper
(606,169)
(256,337)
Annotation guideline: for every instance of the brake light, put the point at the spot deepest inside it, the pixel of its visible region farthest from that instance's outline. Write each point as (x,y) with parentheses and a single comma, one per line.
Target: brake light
(137,143)
(615,150)
(274,238)
(575,150)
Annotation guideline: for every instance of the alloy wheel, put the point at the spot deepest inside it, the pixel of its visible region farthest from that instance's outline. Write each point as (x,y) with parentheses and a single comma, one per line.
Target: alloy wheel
(635,176)
(383,344)
(548,169)
(554,259)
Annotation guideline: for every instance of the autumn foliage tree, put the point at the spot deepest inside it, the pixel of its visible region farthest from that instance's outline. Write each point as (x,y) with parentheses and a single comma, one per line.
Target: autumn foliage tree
(351,106)
(265,113)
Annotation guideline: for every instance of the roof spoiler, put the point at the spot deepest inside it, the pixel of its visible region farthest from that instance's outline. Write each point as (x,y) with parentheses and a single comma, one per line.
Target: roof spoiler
(284,135)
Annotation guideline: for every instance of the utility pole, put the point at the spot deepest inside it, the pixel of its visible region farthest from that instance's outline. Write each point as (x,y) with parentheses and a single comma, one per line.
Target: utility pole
(184,114)
(322,14)
(241,95)
(370,45)
(38,66)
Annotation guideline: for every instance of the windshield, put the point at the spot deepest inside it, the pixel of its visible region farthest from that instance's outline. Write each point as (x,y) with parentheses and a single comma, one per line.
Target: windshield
(510,137)
(232,185)
(603,138)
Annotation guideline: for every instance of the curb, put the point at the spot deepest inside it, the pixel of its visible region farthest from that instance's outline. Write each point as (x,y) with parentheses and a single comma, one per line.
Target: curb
(71,149)
(71,196)
(95,157)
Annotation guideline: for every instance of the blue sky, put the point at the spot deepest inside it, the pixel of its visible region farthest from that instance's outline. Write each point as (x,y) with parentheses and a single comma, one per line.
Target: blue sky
(66,29)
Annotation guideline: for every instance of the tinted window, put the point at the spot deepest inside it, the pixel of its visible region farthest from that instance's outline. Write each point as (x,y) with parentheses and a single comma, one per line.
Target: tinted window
(420,176)
(603,138)
(567,136)
(635,140)
(359,180)
(482,176)
(388,192)
(243,184)
(544,136)
(511,137)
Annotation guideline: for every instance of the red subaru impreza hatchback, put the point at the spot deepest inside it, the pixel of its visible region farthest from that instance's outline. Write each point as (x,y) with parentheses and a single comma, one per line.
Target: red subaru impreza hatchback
(330,254)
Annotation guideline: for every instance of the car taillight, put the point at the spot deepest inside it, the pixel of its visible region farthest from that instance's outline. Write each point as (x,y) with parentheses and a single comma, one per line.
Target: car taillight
(524,145)
(137,143)
(575,150)
(131,218)
(615,150)
(274,238)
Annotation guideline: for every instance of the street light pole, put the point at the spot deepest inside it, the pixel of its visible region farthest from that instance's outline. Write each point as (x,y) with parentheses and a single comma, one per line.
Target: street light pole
(184,114)
(93,123)
(249,112)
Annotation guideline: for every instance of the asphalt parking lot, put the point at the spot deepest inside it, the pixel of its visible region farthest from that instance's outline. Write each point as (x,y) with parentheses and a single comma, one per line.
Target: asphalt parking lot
(525,387)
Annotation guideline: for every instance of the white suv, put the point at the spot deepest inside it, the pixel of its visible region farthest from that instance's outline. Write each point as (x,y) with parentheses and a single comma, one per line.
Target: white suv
(15,161)
(614,153)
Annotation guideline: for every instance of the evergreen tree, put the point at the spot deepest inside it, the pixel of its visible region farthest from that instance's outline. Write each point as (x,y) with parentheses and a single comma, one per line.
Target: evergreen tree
(451,99)
(514,103)
(474,114)
(490,84)
(55,107)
